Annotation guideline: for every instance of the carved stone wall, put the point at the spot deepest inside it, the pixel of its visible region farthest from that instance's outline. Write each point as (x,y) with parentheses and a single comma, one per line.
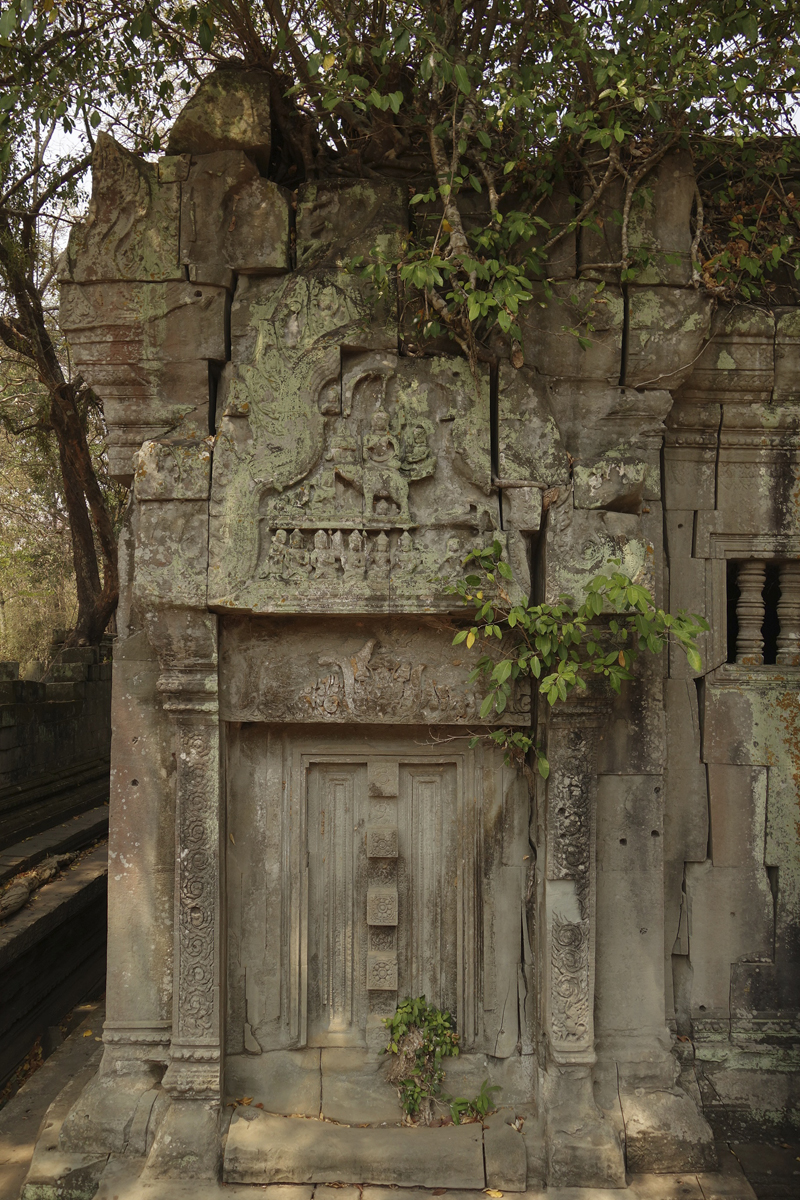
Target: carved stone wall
(306,485)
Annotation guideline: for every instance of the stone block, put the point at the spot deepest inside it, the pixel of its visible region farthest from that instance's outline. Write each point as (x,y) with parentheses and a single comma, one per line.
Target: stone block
(529,443)
(730,919)
(610,484)
(381,906)
(232,220)
(171,552)
(116,324)
(787,355)
(737,807)
(284,1081)
(660,225)
(230,110)
(550,328)
(295,312)
(666,332)
(383,782)
(173,471)
(263,1149)
(728,725)
(132,228)
(665,1132)
(684,1186)
(355,1090)
(558,210)
(65,691)
(523,509)
(601,238)
(580,542)
(145,349)
(187,1143)
(505,1158)
(633,739)
(738,363)
(686,802)
(338,220)
(630,904)
(79,654)
(69,672)
(598,422)
(382,841)
(381,972)
(9,671)
(690,456)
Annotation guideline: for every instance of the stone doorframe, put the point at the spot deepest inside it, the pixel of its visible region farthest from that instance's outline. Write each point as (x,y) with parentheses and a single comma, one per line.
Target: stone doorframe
(170,586)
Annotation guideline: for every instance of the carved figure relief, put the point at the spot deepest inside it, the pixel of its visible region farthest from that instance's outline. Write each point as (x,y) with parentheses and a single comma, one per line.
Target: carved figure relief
(326,565)
(376,461)
(393,450)
(300,671)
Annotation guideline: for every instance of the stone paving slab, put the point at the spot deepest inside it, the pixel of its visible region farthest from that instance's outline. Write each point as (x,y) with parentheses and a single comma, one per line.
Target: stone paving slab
(266,1149)
(121,1181)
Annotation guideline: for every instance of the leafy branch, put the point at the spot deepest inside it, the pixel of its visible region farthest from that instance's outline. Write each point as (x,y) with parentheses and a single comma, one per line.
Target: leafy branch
(562,646)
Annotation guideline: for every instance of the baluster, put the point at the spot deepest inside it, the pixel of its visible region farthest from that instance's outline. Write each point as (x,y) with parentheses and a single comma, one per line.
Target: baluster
(789,615)
(750,613)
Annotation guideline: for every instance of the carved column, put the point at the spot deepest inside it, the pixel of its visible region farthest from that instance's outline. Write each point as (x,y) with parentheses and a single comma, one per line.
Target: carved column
(789,615)
(750,614)
(172,484)
(582,1147)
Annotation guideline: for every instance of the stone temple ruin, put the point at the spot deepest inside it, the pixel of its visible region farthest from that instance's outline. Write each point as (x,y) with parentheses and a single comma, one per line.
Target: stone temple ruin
(300,833)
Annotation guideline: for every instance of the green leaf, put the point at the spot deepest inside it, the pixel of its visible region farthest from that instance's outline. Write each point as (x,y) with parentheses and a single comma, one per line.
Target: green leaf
(462,79)
(8,22)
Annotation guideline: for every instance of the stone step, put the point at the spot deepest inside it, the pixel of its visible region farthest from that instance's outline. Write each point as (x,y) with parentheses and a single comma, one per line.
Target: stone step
(74,834)
(267,1149)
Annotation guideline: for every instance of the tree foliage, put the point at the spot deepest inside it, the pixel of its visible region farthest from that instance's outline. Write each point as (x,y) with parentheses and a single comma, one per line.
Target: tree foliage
(65,71)
(563,646)
(493,110)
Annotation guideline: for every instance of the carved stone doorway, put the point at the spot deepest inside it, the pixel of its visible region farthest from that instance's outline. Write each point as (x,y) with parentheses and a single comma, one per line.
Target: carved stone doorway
(366,864)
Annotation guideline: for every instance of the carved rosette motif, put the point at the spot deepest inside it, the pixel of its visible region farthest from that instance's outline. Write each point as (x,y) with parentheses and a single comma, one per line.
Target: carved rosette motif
(197,883)
(188,685)
(570,990)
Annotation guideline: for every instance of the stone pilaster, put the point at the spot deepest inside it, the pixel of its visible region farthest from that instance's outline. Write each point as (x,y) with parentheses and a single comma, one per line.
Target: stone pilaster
(172,488)
(583,1147)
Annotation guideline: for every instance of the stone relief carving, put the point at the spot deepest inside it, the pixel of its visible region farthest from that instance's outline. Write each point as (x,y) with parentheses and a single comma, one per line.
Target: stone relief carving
(570,815)
(569,954)
(341,568)
(289,672)
(197,888)
(345,491)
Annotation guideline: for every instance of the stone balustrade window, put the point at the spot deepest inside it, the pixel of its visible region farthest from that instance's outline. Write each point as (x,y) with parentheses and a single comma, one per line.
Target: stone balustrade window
(764,612)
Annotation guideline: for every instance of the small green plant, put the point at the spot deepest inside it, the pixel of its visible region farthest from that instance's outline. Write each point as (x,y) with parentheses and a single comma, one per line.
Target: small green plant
(420,1036)
(561,645)
(479,1107)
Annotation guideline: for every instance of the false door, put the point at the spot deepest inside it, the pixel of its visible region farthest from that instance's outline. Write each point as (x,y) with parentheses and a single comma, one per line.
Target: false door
(365,866)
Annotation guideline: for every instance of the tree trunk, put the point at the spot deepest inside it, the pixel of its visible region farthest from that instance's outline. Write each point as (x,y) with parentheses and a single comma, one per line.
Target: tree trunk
(91,526)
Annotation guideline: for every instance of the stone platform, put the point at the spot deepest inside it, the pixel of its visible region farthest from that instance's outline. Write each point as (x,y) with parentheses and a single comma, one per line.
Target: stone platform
(120,1182)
